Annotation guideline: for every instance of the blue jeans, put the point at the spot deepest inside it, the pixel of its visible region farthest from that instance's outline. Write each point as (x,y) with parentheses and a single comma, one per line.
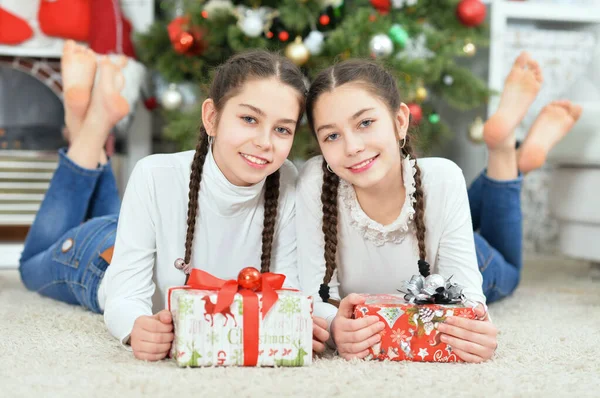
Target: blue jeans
(497,222)
(75,224)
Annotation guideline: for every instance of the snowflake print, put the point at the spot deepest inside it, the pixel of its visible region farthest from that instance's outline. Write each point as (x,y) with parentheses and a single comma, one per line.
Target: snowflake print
(289,305)
(185,306)
(398,335)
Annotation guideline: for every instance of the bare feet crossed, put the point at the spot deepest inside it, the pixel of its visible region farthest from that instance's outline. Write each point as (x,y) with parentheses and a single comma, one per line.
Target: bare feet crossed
(106,107)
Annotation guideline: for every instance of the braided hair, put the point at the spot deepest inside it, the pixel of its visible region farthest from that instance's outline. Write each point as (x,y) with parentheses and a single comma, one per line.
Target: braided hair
(382,84)
(228,81)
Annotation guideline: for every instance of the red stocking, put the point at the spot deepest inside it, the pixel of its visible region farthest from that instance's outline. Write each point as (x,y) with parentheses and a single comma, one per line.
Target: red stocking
(68,19)
(110,31)
(13,30)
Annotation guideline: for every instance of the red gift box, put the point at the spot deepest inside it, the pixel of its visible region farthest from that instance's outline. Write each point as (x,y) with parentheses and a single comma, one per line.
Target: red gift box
(411,330)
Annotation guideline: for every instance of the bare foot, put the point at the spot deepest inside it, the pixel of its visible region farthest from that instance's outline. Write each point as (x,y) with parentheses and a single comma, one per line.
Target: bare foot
(106,108)
(78,68)
(551,125)
(520,89)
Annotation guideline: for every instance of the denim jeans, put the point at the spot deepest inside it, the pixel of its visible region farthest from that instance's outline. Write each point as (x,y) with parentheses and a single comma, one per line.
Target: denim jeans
(76,223)
(497,222)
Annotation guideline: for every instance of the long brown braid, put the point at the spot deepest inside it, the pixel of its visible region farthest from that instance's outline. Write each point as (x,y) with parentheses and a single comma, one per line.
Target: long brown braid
(195,177)
(227,82)
(421,229)
(382,84)
(271,196)
(329,193)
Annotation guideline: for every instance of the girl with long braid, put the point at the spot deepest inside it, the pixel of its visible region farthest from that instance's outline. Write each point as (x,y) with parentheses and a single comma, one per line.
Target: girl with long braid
(370,215)
(227,205)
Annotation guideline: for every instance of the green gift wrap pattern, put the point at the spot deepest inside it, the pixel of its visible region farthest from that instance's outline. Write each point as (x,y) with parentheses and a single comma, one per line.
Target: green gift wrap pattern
(206,339)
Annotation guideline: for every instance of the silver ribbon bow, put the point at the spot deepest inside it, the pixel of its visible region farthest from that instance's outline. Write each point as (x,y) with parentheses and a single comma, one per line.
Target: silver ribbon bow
(434,289)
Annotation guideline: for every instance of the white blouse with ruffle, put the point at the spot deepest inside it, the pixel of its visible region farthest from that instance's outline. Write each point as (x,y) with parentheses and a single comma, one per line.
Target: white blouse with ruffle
(376,258)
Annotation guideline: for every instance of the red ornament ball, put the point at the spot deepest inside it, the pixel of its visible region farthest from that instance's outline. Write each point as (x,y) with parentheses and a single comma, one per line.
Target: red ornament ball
(324,19)
(284,36)
(416,113)
(205,14)
(183,43)
(150,103)
(471,12)
(269,35)
(185,38)
(383,6)
(249,278)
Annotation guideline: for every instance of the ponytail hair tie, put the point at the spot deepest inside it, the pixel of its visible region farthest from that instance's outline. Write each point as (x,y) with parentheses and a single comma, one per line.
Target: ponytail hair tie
(424,268)
(324,292)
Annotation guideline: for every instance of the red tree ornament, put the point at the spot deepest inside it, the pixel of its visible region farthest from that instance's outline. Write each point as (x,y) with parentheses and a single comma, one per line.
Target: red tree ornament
(383,6)
(150,103)
(249,278)
(183,42)
(284,36)
(471,12)
(416,113)
(185,38)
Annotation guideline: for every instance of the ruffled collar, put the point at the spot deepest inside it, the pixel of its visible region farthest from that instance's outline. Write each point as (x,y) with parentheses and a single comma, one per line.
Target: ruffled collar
(372,230)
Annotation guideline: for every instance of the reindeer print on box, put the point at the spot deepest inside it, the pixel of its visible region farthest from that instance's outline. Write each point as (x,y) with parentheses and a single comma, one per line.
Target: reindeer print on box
(205,336)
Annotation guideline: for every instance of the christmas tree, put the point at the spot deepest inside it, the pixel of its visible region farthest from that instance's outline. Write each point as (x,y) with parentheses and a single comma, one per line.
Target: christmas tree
(418,40)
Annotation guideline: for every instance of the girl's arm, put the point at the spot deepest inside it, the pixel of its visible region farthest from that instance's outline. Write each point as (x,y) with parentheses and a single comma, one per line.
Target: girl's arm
(472,340)
(128,280)
(456,255)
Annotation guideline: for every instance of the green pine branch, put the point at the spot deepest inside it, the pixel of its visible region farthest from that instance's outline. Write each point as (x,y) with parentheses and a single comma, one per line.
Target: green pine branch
(348,36)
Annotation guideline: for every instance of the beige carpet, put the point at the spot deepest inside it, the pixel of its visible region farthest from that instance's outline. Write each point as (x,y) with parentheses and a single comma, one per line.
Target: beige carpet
(549,346)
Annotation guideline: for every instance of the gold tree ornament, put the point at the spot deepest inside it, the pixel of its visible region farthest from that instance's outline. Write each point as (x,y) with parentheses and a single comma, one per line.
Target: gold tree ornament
(421,94)
(469,49)
(297,52)
(476,131)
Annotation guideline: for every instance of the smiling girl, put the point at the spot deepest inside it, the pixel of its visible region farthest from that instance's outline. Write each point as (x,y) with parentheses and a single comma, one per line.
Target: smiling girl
(227,205)
(370,215)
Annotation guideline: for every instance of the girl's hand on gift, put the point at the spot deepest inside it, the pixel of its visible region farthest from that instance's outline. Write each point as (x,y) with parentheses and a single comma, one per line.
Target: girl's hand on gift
(152,336)
(320,334)
(473,340)
(353,337)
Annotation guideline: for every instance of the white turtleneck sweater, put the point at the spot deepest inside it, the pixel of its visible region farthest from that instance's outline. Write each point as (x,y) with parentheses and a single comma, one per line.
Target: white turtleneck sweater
(152,228)
(373,258)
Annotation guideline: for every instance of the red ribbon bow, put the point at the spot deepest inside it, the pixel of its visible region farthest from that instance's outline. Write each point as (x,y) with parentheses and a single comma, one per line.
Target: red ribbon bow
(270,282)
